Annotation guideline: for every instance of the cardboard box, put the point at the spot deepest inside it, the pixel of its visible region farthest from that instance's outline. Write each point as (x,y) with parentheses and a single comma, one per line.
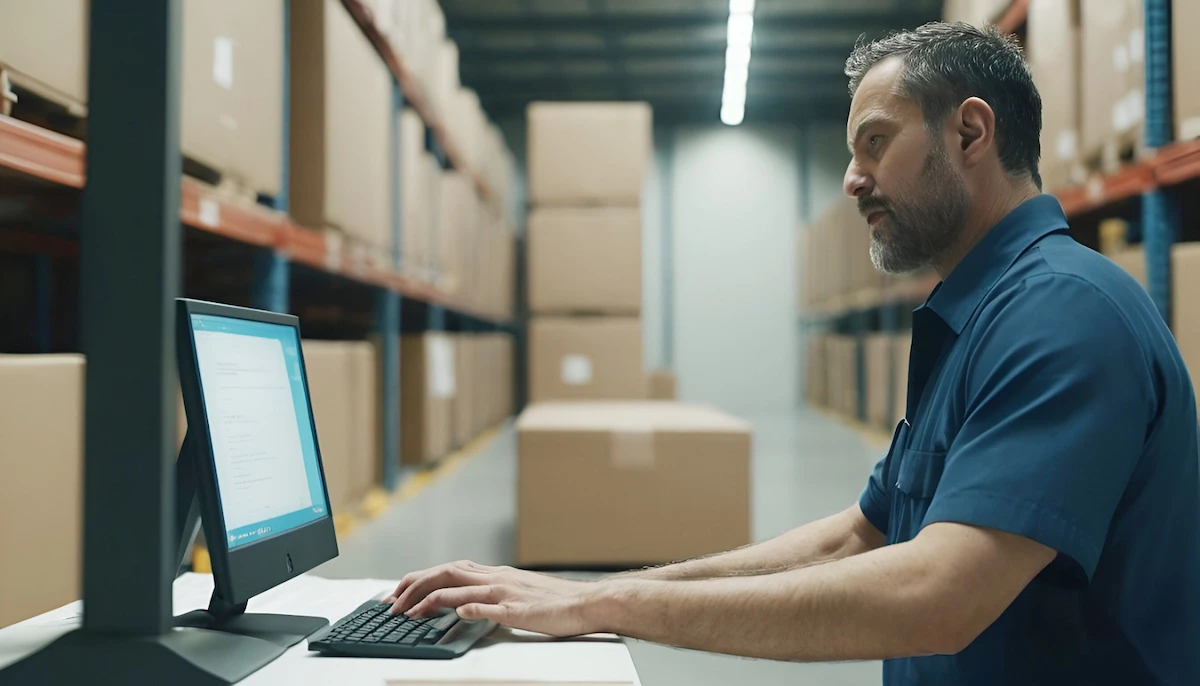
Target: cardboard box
(1113,79)
(585,260)
(341,126)
(974,12)
(459,216)
(231,112)
(816,379)
(464,397)
(593,153)
(1133,260)
(426,268)
(366,430)
(900,386)
(326,364)
(626,484)
(1052,47)
(585,358)
(414,191)
(45,45)
(663,385)
(1185,17)
(41,494)
(842,375)
(877,358)
(1185,278)
(427,389)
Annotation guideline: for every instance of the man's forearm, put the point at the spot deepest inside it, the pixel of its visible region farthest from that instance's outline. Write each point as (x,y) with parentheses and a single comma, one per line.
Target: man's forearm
(831,538)
(876,605)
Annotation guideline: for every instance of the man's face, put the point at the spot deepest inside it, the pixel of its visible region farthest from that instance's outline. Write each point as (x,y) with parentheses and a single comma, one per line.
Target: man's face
(908,190)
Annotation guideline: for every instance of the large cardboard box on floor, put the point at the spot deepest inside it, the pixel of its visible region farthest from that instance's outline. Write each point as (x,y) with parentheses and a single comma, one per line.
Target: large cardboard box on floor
(1185,17)
(585,358)
(427,389)
(41,494)
(585,260)
(588,153)
(1052,47)
(341,126)
(231,82)
(877,358)
(627,484)
(1113,77)
(1185,279)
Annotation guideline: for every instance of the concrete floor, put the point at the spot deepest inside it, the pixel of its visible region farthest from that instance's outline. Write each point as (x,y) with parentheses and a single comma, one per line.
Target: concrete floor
(805,466)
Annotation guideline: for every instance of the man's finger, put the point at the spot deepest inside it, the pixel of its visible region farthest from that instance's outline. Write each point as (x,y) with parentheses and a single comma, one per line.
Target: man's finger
(455,597)
(493,612)
(404,583)
(446,577)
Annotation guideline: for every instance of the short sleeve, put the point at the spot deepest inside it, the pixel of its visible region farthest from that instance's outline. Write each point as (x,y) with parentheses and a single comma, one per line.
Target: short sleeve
(874,501)
(1058,399)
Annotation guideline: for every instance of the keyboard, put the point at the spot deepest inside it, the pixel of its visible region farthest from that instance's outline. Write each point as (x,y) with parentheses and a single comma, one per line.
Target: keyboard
(370,631)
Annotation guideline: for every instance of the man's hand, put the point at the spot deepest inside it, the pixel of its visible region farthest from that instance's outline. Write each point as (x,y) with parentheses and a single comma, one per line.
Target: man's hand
(512,597)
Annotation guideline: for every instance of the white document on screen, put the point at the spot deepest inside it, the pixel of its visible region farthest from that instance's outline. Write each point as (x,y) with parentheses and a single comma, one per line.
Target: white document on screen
(252,420)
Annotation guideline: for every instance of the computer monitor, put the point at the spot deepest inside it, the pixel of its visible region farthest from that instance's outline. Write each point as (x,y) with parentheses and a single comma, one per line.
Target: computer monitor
(251,449)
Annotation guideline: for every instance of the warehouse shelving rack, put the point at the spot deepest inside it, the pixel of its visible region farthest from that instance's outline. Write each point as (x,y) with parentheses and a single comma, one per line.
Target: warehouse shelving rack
(34,153)
(1157,183)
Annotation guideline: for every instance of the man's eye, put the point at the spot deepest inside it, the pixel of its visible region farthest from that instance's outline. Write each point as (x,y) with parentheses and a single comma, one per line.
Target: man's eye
(874,141)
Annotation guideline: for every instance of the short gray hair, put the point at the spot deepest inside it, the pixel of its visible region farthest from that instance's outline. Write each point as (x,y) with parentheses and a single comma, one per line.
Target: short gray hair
(944,64)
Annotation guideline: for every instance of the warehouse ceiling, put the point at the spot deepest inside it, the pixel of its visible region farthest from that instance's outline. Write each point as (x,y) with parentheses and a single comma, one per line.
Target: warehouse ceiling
(669,52)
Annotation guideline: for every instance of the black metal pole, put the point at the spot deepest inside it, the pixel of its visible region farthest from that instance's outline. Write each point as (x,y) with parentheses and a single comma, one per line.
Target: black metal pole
(130,254)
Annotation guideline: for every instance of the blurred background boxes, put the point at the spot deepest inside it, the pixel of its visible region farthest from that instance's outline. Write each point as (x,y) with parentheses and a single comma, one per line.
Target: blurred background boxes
(877,356)
(663,385)
(588,153)
(585,260)
(1185,319)
(585,358)
(1113,80)
(341,96)
(1054,60)
(41,494)
(1185,17)
(627,484)
(427,390)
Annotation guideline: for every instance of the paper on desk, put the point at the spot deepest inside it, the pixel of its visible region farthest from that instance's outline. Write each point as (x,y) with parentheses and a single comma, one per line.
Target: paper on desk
(402,682)
(309,595)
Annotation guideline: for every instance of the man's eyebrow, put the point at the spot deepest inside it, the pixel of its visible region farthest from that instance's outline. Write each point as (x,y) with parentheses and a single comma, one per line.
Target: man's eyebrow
(863,125)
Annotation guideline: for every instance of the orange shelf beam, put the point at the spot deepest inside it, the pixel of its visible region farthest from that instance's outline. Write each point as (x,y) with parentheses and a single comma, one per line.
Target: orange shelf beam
(45,155)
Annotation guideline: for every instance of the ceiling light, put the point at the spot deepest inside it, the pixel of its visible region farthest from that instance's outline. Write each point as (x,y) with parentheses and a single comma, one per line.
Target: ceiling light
(741,30)
(737,55)
(732,116)
(741,6)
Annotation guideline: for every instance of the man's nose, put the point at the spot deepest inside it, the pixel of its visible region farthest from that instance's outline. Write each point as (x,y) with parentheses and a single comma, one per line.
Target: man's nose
(856,183)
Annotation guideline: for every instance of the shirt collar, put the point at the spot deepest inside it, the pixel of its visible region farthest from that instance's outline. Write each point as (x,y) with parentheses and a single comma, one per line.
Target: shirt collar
(957,298)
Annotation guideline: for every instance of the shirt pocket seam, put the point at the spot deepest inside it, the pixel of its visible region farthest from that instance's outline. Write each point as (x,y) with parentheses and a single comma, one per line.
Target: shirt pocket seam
(920,473)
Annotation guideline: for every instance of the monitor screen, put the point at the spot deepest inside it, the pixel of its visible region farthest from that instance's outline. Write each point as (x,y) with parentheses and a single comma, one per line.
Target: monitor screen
(256,403)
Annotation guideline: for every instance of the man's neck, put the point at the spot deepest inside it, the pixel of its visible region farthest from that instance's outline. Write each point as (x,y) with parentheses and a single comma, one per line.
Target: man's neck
(983,215)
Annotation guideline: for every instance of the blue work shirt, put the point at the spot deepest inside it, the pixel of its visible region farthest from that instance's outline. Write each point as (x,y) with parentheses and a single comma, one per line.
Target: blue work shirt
(1047,398)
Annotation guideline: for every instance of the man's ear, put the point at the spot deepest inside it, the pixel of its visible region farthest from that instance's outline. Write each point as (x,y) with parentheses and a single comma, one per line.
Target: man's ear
(975,127)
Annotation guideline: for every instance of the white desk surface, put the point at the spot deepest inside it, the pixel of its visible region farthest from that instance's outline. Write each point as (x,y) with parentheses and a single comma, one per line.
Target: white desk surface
(504,656)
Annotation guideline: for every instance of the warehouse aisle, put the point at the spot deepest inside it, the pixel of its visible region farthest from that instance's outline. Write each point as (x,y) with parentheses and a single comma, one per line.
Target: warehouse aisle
(805,466)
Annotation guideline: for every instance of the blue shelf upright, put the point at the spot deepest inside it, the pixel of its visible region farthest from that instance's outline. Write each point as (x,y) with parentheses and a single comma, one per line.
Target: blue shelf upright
(1161,215)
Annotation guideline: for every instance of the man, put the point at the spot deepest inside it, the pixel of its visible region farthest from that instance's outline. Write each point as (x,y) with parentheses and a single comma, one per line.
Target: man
(1036,518)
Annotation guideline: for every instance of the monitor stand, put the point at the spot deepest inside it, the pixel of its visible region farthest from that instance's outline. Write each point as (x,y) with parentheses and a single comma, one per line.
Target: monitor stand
(215,647)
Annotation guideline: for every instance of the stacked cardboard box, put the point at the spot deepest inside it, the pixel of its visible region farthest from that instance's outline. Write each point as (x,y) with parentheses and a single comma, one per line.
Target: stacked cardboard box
(877,364)
(816,386)
(842,375)
(232,105)
(341,95)
(1113,79)
(1132,260)
(427,391)
(975,12)
(41,494)
(587,164)
(343,382)
(837,258)
(1053,51)
(1185,17)
(630,483)
(663,385)
(1185,317)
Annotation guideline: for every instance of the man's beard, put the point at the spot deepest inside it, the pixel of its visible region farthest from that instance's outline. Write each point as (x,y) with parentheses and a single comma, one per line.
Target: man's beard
(919,232)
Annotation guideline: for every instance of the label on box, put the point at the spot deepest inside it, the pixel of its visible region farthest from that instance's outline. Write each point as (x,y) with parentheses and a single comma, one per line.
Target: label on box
(576,370)
(1137,46)
(210,212)
(441,367)
(1189,128)
(1121,57)
(633,447)
(1068,145)
(1136,106)
(223,62)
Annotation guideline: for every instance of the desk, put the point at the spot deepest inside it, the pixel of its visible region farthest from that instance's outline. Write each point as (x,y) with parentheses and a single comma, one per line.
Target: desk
(504,656)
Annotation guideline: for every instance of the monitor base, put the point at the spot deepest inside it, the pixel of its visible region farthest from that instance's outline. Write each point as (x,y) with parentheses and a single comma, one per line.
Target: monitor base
(179,657)
(284,631)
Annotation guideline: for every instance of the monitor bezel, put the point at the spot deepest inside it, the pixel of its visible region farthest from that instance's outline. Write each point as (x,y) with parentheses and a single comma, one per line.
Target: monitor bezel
(245,571)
